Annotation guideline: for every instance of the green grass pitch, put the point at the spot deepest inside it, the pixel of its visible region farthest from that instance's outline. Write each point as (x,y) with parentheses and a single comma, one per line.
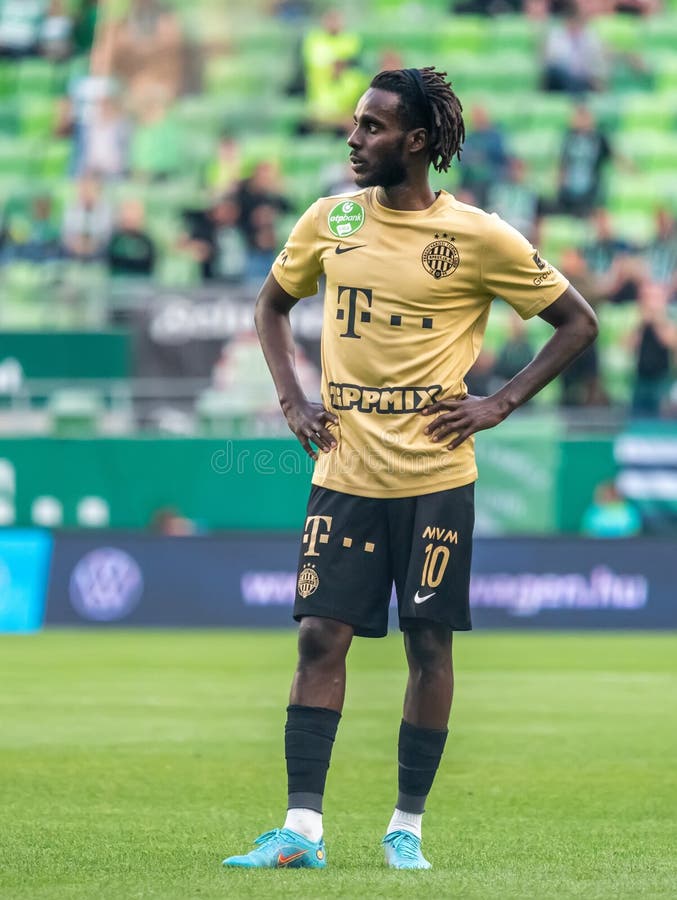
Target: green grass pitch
(131,763)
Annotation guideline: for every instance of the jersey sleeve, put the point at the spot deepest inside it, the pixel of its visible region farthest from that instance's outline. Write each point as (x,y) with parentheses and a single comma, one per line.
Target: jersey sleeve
(297,267)
(513,270)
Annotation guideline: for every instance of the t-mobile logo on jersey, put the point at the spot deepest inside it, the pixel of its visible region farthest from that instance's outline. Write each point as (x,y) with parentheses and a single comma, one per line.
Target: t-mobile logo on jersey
(315,533)
(354,295)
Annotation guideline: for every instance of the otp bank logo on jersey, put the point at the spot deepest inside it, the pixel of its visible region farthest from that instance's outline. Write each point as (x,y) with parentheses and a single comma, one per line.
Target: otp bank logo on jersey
(106,585)
(346,218)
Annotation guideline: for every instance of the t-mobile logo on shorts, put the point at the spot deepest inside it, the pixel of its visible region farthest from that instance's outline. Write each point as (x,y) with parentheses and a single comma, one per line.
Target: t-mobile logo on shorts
(316,532)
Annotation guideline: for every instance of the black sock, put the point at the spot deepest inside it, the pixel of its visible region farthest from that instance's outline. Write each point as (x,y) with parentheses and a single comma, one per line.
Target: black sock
(419,754)
(308,740)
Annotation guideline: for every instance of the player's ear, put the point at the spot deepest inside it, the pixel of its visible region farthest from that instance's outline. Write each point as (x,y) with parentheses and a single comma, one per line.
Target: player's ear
(418,140)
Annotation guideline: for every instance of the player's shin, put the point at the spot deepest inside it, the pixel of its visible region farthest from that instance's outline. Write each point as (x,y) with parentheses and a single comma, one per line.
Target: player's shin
(419,754)
(309,739)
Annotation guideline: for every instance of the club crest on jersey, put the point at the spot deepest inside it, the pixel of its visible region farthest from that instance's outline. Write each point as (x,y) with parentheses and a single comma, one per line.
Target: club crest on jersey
(308,582)
(440,258)
(346,218)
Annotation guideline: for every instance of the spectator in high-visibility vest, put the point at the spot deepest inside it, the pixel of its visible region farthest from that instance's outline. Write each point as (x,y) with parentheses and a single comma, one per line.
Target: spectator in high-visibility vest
(333,80)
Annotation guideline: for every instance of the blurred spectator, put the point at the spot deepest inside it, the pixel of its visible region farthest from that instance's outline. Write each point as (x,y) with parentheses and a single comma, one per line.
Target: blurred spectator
(333,108)
(330,76)
(32,234)
(478,379)
(610,515)
(262,242)
(215,240)
(614,262)
(573,56)
(485,7)
(515,353)
(168,521)
(157,143)
(655,342)
(661,251)
(485,159)
(20,23)
(391,60)
(146,51)
(86,88)
(131,250)
(225,171)
(88,222)
(515,200)
(584,154)
(56,32)
(338,178)
(573,266)
(262,188)
(292,11)
(84,27)
(581,383)
(106,138)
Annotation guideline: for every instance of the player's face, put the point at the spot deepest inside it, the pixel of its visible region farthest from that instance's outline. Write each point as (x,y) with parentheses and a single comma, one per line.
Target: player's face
(377,142)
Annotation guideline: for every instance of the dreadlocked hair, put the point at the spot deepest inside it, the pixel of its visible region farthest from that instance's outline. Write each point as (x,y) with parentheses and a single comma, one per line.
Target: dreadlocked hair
(443,118)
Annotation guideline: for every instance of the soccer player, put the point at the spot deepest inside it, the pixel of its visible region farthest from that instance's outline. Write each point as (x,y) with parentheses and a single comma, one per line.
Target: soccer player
(410,277)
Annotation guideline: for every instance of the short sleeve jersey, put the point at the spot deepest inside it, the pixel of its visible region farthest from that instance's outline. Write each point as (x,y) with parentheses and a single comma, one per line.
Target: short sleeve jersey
(406,304)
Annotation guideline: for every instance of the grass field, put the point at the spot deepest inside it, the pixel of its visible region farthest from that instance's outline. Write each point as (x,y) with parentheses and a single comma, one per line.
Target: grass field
(131,763)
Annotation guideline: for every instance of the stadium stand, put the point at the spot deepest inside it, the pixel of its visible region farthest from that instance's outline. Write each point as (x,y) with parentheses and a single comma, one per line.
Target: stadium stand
(240,89)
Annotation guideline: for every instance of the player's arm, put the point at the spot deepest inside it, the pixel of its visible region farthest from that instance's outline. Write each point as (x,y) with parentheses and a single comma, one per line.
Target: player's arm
(575,325)
(307,420)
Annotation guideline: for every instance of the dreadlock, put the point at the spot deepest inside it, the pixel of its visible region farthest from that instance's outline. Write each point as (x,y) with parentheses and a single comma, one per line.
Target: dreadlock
(427,101)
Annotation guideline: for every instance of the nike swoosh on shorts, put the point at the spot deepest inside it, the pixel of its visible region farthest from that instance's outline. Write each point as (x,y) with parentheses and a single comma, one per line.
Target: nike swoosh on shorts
(418,599)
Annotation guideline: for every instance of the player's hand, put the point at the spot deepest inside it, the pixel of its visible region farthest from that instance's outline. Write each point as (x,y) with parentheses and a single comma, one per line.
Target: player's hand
(309,423)
(462,417)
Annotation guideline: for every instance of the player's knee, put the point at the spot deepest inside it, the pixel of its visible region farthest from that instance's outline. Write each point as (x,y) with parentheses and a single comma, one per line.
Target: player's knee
(322,641)
(429,650)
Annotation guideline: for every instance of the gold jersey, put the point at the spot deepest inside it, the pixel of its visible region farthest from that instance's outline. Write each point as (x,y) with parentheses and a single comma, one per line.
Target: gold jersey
(406,304)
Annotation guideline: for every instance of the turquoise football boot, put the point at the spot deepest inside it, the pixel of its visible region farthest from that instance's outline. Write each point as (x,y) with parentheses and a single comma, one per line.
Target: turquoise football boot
(282,849)
(403,851)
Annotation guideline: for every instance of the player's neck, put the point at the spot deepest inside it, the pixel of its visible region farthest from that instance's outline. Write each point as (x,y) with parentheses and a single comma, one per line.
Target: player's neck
(412,194)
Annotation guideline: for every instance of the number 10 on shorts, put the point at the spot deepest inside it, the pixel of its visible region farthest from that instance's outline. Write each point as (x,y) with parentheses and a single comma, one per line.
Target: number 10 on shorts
(435,565)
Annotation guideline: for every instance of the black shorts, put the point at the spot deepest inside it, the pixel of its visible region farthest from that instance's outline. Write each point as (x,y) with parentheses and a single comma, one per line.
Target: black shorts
(354,548)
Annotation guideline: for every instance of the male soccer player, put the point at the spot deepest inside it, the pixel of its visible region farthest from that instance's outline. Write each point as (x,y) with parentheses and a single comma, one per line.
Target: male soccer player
(410,277)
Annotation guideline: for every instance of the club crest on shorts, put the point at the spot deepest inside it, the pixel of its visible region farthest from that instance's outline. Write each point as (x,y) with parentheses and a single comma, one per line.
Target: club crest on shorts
(440,258)
(308,582)
(346,218)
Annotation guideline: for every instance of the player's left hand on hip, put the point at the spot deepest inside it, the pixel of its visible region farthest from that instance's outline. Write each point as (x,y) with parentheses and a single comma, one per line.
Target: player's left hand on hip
(461,417)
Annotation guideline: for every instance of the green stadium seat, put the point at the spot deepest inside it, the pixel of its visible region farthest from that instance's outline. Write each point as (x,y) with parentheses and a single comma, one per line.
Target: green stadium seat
(464,34)
(221,414)
(75,413)
(652,151)
(312,154)
(9,117)
(619,32)
(178,271)
(37,116)
(56,158)
(15,158)
(538,147)
(636,227)
(560,232)
(636,194)
(8,73)
(659,34)
(36,76)
(508,72)
(656,111)
(513,34)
